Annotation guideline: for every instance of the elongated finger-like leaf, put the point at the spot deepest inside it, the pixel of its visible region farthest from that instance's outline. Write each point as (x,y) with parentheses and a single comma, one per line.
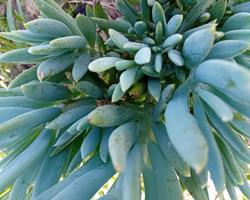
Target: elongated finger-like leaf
(54,65)
(90,142)
(131,188)
(198,45)
(219,106)
(45,91)
(154,88)
(215,164)
(104,149)
(80,67)
(26,158)
(158,15)
(167,183)
(118,38)
(128,78)
(168,149)
(243,35)
(111,115)
(224,75)
(228,49)
(120,142)
(236,22)
(143,56)
(88,28)
(242,7)
(50,27)
(174,24)
(103,64)
(11,112)
(69,42)
(188,131)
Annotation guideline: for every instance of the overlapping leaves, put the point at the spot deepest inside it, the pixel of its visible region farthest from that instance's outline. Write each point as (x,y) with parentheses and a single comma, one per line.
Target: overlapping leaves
(144,96)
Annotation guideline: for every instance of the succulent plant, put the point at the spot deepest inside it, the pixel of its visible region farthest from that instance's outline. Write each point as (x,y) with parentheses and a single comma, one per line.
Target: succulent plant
(157,100)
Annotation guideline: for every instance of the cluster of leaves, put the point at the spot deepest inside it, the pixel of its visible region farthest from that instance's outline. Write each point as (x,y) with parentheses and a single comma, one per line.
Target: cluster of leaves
(160,96)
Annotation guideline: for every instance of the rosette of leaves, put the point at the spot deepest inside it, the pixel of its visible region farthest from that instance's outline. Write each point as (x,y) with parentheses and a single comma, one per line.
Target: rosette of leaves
(158,100)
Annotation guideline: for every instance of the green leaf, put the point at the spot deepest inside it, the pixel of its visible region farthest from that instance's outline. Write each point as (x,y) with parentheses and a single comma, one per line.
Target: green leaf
(236,22)
(10,17)
(194,187)
(117,93)
(99,11)
(176,57)
(167,183)
(46,50)
(154,88)
(218,9)
(158,33)
(104,149)
(128,78)
(124,64)
(90,142)
(120,142)
(45,91)
(158,63)
(243,35)
(25,122)
(168,149)
(21,101)
(20,56)
(172,41)
(8,113)
(242,7)
(80,67)
(133,46)
(71,42)
(215,164)
(58,14)
(149,184)
(70,117)
(118,38)
(111,115)
(49,27)
(88,28)
(158,15)
(224,75)
(126,10)
(51,192)
(233,139)
(228,49)
(131,188)
(194,14)
(174,24)
(143,56)
(24,160)
(25,77)
(54,65)
(88,183)
(241,124)
(218,105)
(195,151)
(103,64)
(90,89)
(198,45)
(52,168)
(145,10)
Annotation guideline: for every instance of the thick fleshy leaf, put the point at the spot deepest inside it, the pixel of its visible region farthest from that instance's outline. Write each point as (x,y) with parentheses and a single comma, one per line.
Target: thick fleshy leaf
(154,88)
(118,38)
(143,56)
(80,67)
(167,183)
(103,64)
(104,149)
(228,49)
(174,24)
(219,106)
(120,141)
(168,149)
(111,115)
(117,93)
(198,45)
(243,35)
(224,75)
(54,65)
(176,58)
(71,42)
(242,7)
(236,22)
(241,124)
(195,151)
(45,91)
(215,164)
(50,27)
(131,188)
(88,28)
(89,89)
(90,142)
(128,78)
(158,15)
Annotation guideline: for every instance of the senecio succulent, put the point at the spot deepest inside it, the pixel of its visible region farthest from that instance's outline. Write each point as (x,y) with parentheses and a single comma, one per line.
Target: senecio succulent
(158,100)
